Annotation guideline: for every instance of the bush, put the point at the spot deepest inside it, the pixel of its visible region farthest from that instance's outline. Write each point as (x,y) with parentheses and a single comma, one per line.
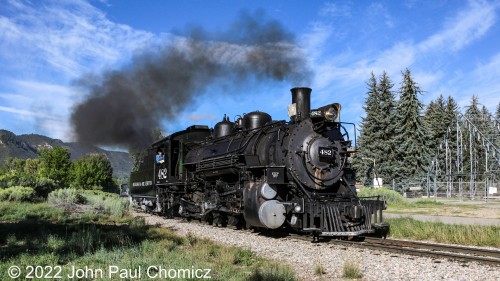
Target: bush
(65,197)
(108,203)
(17,193)
(389,195)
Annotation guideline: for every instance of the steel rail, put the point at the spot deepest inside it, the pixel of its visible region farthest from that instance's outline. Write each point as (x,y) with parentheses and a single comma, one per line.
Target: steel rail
(437,247)
(443,252)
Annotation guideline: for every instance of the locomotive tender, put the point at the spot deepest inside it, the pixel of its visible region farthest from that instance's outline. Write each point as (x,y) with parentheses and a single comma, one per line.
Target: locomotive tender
(261,173)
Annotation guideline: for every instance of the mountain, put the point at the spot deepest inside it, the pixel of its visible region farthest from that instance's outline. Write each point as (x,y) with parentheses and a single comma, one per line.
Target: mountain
(27,146)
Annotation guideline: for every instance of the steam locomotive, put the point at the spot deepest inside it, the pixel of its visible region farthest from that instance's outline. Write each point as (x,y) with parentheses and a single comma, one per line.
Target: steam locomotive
(260,173)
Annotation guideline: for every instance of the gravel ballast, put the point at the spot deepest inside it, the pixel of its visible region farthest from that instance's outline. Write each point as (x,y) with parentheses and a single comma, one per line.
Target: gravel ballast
(303,256)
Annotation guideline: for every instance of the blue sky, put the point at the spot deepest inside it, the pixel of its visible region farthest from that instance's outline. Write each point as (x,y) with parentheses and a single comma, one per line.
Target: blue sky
(451,47)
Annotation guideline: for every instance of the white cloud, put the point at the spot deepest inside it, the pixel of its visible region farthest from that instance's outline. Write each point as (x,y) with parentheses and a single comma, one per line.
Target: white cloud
(202,117)
(336,10)
(72,36)
(467,26)
(46,47)
(349,67)
(23,113)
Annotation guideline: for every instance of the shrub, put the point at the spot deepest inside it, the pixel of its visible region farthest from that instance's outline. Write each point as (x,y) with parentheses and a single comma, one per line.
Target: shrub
(108,203)
(389,195)
(352,270)
(65,197)
(17,193)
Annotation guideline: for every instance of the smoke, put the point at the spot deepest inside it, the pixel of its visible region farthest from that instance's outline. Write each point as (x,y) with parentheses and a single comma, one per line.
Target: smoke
(125,105)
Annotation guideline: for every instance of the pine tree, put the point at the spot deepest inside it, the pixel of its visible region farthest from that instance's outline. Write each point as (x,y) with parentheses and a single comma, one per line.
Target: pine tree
(497,116)
(451,111)
(367,141)
(377,132)
(435,127)
(472,150)
(386,120)
(440,122)
(411,140)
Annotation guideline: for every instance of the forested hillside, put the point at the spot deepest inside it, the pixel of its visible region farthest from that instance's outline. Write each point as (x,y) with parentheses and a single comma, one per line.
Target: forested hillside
(27,146)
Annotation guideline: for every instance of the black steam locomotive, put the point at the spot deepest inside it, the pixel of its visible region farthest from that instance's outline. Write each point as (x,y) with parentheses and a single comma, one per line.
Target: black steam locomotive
(261,173)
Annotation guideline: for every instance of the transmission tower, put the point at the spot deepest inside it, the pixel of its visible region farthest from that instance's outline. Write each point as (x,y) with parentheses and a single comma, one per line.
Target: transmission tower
(468,153)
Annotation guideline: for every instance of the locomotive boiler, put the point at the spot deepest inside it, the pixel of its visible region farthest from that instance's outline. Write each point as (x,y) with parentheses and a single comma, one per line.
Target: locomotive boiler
(261,173)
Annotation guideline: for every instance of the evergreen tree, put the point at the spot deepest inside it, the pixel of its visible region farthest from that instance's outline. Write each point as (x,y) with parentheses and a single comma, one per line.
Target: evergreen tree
(377,132)
(366,142)
(435,127)
(472,149)
(497,116)
(440,122)
(451,111)
(386,119)
(412,152)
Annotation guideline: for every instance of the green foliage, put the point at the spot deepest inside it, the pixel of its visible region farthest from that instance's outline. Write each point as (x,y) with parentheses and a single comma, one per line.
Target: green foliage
(18,211)
(388,194)
(66,196)
(55,165)
(377,131)
(94,200)
(244,256)
(92,172)
(411,149)
(429,203)
(20,172)
(351,270)
(477,235)
(435,127)
(497,115)
(17,193)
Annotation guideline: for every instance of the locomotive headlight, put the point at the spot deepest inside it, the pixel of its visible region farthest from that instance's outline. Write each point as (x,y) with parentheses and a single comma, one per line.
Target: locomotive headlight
(297,208)
(331,114)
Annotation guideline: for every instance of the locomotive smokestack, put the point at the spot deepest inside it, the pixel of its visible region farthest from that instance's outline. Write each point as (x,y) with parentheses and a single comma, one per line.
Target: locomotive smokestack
(301,97)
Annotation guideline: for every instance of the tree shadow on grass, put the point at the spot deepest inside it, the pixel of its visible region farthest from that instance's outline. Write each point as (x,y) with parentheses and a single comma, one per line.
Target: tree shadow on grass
(35,236)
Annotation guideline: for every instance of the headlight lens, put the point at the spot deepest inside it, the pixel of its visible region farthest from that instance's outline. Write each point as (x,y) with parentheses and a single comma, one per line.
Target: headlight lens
(331,114)
(297,208)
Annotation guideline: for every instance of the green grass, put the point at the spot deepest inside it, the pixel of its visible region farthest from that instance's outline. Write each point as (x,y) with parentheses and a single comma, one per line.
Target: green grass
(476,235)
(388,194)
(319,269)
(351,270)
(97,238)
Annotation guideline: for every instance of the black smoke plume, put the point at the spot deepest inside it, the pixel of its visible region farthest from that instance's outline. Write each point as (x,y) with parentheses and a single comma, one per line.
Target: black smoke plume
(126,105)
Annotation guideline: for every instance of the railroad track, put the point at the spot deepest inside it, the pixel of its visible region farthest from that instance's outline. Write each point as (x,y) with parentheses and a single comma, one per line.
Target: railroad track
(415,248)
(432,250)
